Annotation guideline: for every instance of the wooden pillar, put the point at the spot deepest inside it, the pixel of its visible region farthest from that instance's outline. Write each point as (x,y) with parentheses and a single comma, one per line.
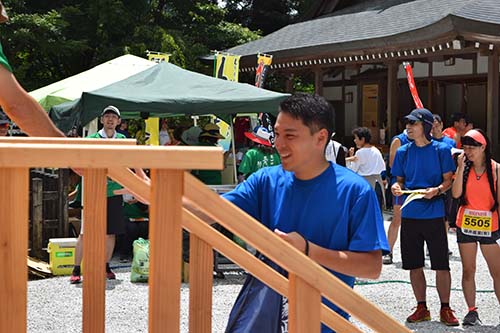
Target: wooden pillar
(304,306)
(318,81)
(492,99)
(201,265)
(14,206)
(165,235)
(289,84)
(392,99)
(37,217)
(94,250)
(63,189)
(430,89)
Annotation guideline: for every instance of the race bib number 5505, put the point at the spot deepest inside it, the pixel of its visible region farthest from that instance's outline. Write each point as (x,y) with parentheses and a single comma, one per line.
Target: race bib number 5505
(477,223)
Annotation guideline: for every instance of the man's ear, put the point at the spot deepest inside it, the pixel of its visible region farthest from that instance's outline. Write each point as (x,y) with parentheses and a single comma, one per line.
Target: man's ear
(323,137)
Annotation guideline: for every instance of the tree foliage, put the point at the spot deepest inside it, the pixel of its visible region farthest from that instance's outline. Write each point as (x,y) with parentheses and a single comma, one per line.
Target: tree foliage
(47,40)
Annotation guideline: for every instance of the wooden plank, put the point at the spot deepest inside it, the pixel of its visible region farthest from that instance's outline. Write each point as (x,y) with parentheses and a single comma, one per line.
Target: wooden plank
(108,156)
(114,142)
(94,250)
(270,245)
(37,216)
(165,269)
(492,99)
(139,188)
(201,265)
(304,305)
(14,187)
(263,272)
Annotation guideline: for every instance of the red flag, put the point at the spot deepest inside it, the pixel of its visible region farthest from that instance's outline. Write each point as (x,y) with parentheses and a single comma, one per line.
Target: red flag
(413,87)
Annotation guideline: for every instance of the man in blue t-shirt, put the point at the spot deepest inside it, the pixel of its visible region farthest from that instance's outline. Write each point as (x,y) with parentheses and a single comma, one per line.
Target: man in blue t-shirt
(425,166)
(322,209)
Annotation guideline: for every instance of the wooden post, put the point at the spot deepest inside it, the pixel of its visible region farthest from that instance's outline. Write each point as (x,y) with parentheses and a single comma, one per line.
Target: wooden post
(37,217)
(63,189)
(201,265)
(492,99)
(392,99)
(318,81)
(165,256)
(304,306)
(94,250)
(289,84)
(14,206)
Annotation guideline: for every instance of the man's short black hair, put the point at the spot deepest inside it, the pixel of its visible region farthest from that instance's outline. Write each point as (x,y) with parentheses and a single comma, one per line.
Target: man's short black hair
(314,111)
(363,132)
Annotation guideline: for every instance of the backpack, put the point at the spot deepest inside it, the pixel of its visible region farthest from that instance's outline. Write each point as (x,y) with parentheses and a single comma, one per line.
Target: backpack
(339,152)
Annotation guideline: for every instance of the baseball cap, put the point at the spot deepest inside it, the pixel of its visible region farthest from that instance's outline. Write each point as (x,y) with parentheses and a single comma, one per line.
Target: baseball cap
(422,115)
(111,109)
(260,135)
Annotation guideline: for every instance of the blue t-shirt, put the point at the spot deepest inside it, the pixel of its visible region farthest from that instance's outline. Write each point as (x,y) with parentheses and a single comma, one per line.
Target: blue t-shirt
(444,139)
(423,167)
(337,210)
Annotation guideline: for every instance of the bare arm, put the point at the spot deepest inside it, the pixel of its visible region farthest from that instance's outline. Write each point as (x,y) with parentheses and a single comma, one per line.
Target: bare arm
(23,109)
(395,144)
(456,189)
(359,264)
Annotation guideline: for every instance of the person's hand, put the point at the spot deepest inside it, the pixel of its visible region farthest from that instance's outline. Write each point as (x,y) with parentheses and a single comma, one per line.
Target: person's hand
(351,151)
(461,160)
(396,189)
(431,192)
(292,238)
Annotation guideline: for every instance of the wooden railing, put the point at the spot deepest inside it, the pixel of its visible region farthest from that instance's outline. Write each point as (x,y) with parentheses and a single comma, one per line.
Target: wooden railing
(176,200)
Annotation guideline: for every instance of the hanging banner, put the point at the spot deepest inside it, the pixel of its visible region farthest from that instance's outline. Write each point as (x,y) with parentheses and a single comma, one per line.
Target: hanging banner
(153,123)
(158,57)
(263,63)
(227,66)
(411,84)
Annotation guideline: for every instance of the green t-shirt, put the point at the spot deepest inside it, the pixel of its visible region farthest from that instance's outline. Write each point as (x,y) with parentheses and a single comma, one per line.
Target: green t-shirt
(134,211)
(256,159)
(111,185)
(3,60)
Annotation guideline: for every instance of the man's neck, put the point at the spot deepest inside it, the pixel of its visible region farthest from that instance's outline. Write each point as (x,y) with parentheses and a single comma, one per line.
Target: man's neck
(421,142)
(437,135)
(110,133)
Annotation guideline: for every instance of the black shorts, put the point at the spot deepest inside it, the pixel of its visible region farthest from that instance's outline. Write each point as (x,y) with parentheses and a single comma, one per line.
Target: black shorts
(463,238)
(115,216)
(413,234)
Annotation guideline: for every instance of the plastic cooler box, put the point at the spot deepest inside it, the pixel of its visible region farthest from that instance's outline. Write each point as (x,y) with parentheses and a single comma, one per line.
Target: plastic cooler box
(61,255)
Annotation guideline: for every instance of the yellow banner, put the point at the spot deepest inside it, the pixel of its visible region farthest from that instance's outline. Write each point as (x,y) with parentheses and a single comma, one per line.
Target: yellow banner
(227,67)
(153,128)
(159,57)
(266,60)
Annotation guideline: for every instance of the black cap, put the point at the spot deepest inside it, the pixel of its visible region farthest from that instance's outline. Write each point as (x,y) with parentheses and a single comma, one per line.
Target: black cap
(423,115)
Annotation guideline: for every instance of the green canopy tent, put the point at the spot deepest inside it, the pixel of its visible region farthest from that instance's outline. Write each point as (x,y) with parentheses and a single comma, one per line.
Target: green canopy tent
(166,90)
(97,77)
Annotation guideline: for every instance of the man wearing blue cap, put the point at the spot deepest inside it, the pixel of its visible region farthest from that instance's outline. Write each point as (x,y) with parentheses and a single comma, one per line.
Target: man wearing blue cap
(425,166)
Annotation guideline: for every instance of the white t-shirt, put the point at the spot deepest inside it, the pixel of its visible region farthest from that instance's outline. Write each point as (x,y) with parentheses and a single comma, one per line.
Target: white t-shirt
(330,154)
(164,138)
(369,162)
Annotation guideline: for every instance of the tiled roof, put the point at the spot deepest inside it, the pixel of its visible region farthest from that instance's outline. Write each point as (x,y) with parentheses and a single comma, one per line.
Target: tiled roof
(374,22)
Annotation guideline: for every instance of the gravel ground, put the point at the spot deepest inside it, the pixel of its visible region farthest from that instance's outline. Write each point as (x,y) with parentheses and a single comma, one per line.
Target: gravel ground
(55,306)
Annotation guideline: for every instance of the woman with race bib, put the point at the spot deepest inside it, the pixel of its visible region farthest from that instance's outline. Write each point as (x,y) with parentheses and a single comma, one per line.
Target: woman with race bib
(476,185)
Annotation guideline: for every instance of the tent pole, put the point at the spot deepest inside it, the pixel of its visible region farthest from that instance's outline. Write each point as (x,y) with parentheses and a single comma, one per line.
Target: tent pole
(235,171)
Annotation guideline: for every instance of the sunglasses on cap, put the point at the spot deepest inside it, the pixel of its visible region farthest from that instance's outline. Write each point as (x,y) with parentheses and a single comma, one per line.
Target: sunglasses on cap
(411,121)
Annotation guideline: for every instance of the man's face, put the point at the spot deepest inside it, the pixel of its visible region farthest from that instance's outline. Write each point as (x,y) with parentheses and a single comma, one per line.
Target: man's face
(460,125)
(300,151)
(415,129)
(110,121)
(437,127)
(4,129)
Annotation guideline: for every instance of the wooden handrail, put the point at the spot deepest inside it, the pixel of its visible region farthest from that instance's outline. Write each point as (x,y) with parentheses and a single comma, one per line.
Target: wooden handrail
(170,188)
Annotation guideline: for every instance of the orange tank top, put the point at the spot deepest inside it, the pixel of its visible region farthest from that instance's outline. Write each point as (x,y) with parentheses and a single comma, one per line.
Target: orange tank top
(475,217)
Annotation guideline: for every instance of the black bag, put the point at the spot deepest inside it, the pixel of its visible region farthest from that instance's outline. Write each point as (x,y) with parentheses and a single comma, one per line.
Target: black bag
(258,308)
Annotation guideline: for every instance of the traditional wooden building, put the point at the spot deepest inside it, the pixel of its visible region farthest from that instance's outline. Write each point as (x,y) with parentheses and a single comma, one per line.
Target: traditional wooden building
(356,48)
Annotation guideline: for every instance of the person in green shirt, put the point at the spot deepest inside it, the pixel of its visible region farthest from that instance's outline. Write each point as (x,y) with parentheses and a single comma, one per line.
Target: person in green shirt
(209,136)
(110,119)
(260,156)
(18,104)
